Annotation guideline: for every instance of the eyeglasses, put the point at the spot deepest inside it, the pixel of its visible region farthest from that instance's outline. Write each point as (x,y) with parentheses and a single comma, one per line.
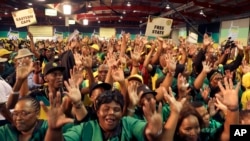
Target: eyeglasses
(21,113)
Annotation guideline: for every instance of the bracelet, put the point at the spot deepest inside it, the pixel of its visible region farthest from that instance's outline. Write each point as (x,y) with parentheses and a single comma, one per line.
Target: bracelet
(77,105)
(233,109)
(131,110)
(15,93)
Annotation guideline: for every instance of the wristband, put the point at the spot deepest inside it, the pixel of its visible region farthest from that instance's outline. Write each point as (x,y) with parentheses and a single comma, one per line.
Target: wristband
(233,109)
(77,105)
(15,93)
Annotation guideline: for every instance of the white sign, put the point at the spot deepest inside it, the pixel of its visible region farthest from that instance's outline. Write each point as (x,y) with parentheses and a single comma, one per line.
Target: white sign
(13,35)
(158,26)
(24,17)
(50,12)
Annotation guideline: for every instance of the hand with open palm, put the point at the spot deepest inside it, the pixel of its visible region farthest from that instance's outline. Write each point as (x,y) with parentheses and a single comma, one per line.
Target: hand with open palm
(153,117)
(56,118)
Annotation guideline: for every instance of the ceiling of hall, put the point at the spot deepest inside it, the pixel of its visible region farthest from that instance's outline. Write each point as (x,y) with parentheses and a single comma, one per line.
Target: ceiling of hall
(112,13)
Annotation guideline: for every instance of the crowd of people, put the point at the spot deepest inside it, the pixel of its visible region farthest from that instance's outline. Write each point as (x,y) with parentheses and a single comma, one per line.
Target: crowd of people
(122,89)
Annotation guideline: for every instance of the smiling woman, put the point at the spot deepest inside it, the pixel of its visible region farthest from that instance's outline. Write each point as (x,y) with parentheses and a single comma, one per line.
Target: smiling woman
(110,124)
(26,125)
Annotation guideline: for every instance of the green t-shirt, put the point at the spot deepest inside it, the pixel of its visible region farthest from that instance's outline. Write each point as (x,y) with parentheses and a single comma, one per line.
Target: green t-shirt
(211,132)
(132,129)
(10,133)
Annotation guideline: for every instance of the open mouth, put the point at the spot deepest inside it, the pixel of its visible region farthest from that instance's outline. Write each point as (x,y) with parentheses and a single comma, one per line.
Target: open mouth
(110,121)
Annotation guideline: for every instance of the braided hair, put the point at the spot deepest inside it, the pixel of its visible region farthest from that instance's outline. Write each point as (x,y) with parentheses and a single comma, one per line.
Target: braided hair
(35,104)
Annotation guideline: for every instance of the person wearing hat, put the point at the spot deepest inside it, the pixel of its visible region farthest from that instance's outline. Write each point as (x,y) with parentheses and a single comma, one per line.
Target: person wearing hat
(9,67)
(53,76)
(5,91)
(145,94)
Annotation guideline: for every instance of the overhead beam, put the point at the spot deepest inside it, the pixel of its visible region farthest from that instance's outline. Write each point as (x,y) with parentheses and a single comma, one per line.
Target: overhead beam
(216,7)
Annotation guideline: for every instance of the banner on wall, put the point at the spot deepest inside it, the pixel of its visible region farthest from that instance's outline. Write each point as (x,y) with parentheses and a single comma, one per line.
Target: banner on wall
(236,29)
(158,27)
(24,17)
(107,32)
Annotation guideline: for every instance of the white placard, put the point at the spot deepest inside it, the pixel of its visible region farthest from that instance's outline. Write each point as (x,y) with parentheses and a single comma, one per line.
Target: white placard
(24,17)
(158,27)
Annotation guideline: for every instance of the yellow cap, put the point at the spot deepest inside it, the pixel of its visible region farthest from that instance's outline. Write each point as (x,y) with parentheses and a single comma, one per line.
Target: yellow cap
(95,74)
(128,49)
(4,51)
(148,46)
(135,76)
(95,46)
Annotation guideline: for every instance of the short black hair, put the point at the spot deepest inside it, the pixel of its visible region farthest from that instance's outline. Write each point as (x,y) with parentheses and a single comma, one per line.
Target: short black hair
(109,96)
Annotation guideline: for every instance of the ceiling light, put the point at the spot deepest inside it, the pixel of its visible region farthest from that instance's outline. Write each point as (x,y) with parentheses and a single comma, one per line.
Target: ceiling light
(16,8)
(41,0)
(67,9)
(99,21)
(94,13)
(89,5)
(5,13)
(85,22)
(119,21)
(60,17)
(121,17)
(167,7)
(201,12)
(128,4)
(140,21)
(96,18)
(29,4)
(124,12)
(0,18)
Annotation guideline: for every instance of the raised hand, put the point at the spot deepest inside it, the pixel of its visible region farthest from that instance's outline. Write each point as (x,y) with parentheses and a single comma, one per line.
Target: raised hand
(207,67)
(211,106)
(78,59)
(230,94)
(24,68)
(73,91)
(175,105)
(87,61)
(111,60)
(153,117)
(56,117)
(76,75)
(245,67)
(207,40)
(136,53)
(171,63)
(182,83)
(132,93)
(220,105)
(117,74)
(239,45)
(205,93)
